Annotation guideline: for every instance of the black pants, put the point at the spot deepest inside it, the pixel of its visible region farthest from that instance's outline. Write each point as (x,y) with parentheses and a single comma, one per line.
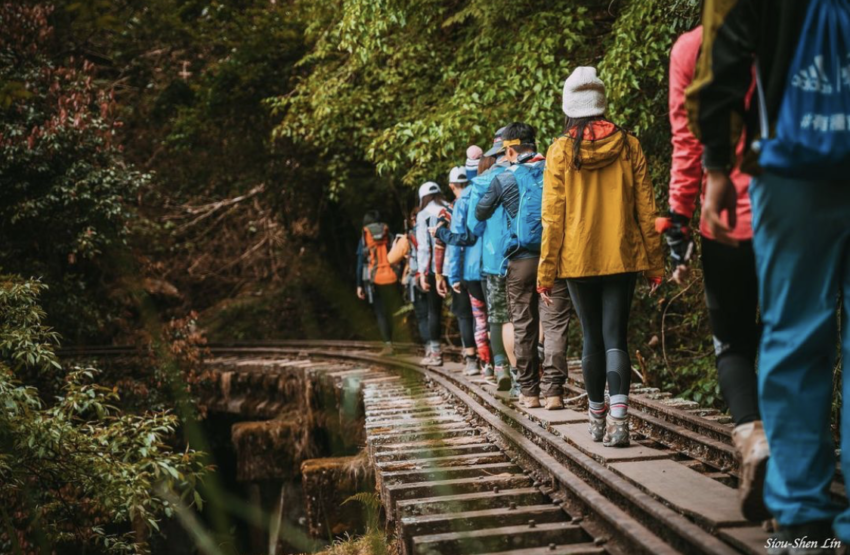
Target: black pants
(476,289)
(462,309)
(603,304)
(386,300)
(420,308)
(731,291)
(435,311)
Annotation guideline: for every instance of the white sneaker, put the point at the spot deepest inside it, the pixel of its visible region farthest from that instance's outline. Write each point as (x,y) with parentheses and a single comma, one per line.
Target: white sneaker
(427,358)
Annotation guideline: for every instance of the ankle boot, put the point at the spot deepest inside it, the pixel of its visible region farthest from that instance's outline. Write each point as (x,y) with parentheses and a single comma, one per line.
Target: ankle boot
(554,403)
(471,368)
(753,452)
(597,426)
(529,401)
(503,378)
(515,389)
(616,431)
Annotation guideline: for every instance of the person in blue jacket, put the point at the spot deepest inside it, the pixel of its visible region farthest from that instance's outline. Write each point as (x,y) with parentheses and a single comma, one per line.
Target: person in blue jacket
(501,199)
(464,273)
(460,305)
(492,234)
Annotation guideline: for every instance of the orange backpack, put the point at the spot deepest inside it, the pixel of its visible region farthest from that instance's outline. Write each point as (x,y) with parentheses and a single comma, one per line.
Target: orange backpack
(375,237)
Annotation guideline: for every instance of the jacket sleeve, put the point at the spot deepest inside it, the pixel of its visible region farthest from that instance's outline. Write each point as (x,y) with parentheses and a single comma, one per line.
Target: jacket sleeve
(463,238)
(553,212)
(715,100)
(686,169)
(360,263)
(423,240)
(646,212)
(454,253)
(490,200)
(458,234)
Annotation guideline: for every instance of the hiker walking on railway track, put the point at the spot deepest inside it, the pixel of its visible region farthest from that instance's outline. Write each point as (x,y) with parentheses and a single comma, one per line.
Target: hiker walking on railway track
(598,235)
(410,279)
(465,270)
(731,284)
(491,234)
(518,191)
(797,138)
(455,261)
(376,279)
(428,257)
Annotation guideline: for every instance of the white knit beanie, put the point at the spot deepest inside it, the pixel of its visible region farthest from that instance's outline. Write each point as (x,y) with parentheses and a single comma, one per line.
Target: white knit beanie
(584,94)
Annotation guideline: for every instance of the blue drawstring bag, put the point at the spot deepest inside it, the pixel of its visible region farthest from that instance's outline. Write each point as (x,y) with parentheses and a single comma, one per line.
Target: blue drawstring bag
(812,138)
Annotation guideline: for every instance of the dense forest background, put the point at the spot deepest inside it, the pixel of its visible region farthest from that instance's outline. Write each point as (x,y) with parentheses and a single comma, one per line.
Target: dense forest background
(177,171)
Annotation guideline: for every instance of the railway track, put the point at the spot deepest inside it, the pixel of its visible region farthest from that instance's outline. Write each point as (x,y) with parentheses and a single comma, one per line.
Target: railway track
(461,469)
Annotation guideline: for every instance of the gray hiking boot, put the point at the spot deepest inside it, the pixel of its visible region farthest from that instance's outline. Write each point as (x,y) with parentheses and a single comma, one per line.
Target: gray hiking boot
(503,379)
(752,450)
(515,389)
(487,371)
(471,367)
(616,432)
(597,426)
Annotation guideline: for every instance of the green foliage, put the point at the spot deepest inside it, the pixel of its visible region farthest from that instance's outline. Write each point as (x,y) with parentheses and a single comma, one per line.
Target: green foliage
(372,505)
(63,183)
(371,543)
(636,62)
(75,472)
(212,128)
(409,87)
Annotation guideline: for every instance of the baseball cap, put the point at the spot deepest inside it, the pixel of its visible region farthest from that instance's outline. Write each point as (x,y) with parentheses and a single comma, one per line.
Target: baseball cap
(458,175)
(498,147)
(429,188)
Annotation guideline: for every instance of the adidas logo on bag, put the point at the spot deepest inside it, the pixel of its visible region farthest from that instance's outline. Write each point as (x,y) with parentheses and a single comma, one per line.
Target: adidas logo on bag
(813,78)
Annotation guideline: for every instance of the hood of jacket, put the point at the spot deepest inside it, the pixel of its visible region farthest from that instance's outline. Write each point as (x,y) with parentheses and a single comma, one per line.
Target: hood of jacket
(602,144)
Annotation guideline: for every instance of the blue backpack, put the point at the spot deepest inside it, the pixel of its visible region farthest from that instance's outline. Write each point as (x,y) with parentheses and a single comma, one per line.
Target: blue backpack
(527,227)
(813,129)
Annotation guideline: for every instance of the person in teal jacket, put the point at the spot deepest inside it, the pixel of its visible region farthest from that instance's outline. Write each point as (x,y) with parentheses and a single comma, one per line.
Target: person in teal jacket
(454,260)
(493,235)
(465,270)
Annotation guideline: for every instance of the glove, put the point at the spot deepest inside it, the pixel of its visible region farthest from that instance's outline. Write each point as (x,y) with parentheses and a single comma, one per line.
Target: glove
(677,232)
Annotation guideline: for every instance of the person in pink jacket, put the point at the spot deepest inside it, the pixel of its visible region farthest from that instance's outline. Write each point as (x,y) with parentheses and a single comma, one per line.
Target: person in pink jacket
(731,286)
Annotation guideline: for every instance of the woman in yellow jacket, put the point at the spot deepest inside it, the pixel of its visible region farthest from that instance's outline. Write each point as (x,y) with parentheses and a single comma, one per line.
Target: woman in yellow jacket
(598,235)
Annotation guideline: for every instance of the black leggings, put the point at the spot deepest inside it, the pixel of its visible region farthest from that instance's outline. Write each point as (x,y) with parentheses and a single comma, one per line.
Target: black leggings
(603,304)
(386,300)
(435,311)
(731,291)
(420,308)
(462,309)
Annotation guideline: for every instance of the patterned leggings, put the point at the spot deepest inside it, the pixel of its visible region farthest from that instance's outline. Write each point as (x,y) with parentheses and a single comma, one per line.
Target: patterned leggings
(479,311)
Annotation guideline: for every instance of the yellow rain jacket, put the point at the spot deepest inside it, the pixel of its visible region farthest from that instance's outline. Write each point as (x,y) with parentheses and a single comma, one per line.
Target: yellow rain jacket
(598,220)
